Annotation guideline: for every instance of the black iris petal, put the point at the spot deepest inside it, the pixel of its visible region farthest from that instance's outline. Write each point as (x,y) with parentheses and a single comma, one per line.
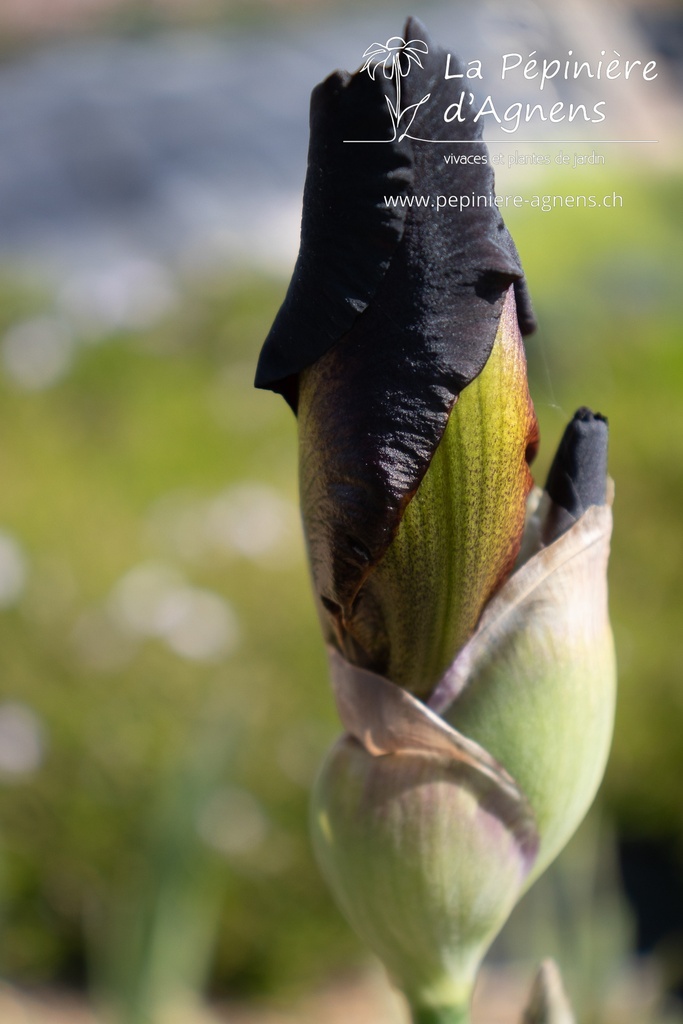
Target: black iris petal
(578,474)
(396,306)
(349,227)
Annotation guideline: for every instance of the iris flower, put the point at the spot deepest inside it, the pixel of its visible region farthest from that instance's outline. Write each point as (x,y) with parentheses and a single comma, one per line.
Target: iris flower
(464,610)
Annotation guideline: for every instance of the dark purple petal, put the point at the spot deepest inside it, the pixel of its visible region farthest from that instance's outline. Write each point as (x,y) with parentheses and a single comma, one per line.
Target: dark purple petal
(578,474)
(388,360)
(348,233)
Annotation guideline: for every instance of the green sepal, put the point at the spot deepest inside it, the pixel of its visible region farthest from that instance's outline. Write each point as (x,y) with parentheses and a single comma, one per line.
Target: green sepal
(536,684)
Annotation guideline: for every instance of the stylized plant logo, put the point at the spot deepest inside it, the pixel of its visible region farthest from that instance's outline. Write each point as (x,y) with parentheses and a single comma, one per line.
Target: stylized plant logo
(396,57)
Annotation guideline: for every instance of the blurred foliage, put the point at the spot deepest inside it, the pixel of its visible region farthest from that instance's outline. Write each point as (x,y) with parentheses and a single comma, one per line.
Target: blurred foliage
(167,414)
(160,839)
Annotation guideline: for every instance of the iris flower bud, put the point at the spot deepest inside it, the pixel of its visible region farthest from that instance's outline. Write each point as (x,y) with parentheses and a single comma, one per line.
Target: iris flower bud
(548,1003)
(465,613)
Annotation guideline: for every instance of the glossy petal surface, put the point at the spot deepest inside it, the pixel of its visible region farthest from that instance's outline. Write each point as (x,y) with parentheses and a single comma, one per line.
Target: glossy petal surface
(374,365)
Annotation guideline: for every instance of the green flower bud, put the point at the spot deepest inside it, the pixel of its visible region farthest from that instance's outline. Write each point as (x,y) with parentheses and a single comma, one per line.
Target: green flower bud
(425,841)
(429,826)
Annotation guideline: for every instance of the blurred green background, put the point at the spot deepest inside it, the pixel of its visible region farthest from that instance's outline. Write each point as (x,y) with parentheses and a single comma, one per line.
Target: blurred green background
(163,693)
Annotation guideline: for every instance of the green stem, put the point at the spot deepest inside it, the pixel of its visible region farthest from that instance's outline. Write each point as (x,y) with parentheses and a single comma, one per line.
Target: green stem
(440,1014)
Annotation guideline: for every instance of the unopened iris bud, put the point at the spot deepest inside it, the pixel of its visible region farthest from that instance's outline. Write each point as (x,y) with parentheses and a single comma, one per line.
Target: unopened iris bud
(548,1003)
(463,801)
(424,839)
(392,312)
(465,613)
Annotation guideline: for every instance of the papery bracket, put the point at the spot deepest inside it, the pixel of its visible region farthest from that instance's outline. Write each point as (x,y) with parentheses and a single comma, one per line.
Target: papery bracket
(388,720)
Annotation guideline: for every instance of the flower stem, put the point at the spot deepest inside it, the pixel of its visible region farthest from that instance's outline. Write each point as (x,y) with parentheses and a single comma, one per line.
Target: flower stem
(440,1014)
(398,94)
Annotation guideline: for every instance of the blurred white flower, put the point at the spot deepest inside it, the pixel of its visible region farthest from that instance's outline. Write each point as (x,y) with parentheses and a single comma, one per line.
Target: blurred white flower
(233,822)
(153,599)
(12,570)
(37,353)
(255,521)
(248,520)
(21,740)
(197,624)
(136,598)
